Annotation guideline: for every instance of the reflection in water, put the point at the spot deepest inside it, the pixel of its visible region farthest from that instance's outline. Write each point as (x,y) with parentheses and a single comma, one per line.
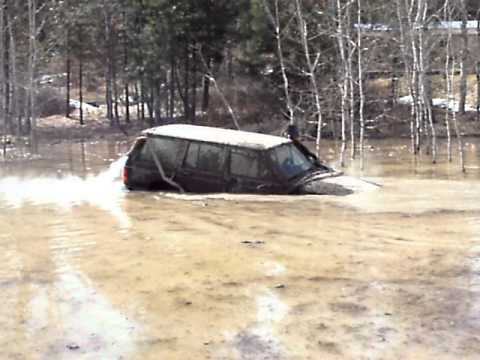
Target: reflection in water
(474,263)
(78,318)
(273,268)
(384,274)
(89,323)
(89,320)
(259,341)
(418,196)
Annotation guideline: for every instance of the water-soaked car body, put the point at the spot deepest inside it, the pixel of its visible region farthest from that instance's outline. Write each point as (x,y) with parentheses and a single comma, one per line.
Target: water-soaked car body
(202,159)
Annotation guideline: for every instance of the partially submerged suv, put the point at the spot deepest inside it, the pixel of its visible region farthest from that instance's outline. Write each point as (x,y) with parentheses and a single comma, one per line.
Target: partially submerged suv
(201,159)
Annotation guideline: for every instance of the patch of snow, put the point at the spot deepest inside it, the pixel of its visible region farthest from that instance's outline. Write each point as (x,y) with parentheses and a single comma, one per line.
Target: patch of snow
(472,24)
(268,70)
(440,103)
(50,79)
(442,25)
(86,107)
(373,27)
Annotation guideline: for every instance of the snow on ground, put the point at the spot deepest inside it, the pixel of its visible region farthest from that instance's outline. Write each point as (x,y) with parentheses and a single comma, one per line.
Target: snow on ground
(86,107)
(440,103)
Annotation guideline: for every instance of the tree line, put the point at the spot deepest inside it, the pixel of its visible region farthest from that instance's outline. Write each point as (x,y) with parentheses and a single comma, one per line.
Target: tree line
(311,62)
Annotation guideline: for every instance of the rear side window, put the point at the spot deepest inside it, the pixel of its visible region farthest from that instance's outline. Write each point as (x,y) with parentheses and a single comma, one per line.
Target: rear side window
(145,155)
(168,151)
(205,157)
(247,163)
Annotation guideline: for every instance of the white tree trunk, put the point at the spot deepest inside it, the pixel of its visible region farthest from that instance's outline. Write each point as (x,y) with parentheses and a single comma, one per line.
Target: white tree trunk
(275,20)
(416,80)
(32,59)
(13,76)
(424,94)
(463,62)
(408,71)
(350,48)
(360,84)
(448,79)
(477,71)
(3,117)
(312,67)
(477,67)
(455,124)
(351,88)
(341,37)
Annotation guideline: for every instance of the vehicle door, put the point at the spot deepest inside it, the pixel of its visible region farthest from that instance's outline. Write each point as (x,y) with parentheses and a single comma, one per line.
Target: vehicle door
(203,169)
(248,172)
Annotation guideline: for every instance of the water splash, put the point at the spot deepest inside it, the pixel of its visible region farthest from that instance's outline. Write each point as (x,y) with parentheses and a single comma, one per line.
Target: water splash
(114,170)
(104,191)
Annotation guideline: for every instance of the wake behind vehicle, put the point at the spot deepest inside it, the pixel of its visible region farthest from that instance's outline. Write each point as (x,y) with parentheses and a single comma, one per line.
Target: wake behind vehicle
(200,159)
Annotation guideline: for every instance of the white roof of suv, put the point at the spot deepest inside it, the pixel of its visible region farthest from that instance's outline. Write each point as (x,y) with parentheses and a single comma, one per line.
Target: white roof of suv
(220,136)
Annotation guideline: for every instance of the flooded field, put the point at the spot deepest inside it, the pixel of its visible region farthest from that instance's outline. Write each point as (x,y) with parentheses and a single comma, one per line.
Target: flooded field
(92,271)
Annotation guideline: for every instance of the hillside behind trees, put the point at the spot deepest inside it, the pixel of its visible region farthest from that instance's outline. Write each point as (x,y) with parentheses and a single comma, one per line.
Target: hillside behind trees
(348,65)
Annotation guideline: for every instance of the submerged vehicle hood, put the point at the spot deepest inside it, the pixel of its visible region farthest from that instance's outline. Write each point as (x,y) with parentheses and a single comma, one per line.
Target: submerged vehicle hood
(316,175)
(306,183)
(333,183)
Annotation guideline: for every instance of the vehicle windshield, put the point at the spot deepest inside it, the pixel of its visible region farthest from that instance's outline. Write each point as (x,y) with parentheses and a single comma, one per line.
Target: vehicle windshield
(290,160)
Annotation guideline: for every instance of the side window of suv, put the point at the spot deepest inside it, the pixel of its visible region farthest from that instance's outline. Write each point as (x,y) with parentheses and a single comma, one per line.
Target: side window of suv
(205,157)
(169,152)
(247,163)
(144,156)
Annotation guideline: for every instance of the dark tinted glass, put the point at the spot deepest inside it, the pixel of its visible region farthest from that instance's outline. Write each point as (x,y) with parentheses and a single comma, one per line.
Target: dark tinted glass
(290,160)
(192,155)
(169,151)
(145,154)
(206,157)
(247,163)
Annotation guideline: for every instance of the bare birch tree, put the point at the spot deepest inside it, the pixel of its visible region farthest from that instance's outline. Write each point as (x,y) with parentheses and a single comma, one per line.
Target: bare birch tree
(360,84)
(345,82)
(455,122)
(477,66)
(3,118)
(13,76)
(464,59)
(417,97)
(211,78)
(351,47)
(448,79)
(32,62)
(416,47)
(311,71)
(404,48)
(274,18)
(107,22)
(425,98)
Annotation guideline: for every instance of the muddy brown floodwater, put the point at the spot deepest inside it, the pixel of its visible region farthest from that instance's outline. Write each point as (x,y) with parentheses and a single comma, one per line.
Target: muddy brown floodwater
(91,271)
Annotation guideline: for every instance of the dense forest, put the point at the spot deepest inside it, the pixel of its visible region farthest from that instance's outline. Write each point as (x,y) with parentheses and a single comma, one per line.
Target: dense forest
(340,64)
